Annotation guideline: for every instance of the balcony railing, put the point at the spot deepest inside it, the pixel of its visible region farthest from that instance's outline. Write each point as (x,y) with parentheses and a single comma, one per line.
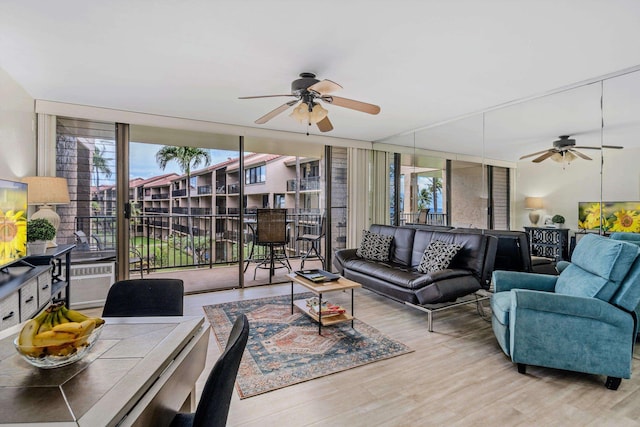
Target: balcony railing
(432,219)
(179,193)
(233,189)
(164,241)
(194,211)
(204,190)
(160,196)
(312,183)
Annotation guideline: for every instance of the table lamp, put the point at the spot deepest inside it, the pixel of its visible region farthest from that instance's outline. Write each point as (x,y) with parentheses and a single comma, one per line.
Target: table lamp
(533,204)
(47,191)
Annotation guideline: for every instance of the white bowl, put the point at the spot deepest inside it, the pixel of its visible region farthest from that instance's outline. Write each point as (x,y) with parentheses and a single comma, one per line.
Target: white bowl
(47,357)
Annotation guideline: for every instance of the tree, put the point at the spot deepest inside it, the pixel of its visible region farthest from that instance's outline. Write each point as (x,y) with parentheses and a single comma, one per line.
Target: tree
(100,164)
(187,158)
(434,188)
(424,199)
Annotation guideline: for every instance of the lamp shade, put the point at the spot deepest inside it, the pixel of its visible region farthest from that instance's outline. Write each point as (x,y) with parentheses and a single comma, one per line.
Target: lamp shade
(533,202)
(47,190)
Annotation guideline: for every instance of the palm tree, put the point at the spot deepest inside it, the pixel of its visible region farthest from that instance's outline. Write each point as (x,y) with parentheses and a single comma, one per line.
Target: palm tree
(187,158)
(100,164)
(434,188)
(424,199)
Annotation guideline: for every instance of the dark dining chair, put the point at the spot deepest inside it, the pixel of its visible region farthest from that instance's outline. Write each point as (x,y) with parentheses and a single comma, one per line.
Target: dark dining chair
(314,242)
(145,297)
(272,233)
(213,407)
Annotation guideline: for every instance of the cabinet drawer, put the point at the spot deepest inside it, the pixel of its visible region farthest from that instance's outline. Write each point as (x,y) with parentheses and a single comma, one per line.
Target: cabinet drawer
(10,311)
(44,289)
(28,299)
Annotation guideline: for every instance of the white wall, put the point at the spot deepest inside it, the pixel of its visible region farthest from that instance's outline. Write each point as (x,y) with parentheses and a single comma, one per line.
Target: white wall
(562,189)
(17,130)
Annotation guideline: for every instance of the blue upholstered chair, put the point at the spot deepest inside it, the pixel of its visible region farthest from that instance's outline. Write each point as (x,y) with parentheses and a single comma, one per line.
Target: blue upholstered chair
(582,320)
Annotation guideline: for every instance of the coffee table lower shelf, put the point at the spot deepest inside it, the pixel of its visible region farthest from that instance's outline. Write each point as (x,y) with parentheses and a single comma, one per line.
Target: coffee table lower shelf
(326,321)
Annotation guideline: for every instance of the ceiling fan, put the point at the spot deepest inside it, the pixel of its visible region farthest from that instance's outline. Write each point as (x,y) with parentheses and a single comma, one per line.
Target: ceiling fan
(564,150)
(308,90)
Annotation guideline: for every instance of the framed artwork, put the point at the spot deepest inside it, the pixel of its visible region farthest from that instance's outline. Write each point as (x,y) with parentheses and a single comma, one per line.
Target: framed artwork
(616,216)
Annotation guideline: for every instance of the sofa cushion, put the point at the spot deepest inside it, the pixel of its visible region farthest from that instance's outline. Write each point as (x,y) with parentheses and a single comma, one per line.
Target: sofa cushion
(438,256)
(374,246)
(402,244)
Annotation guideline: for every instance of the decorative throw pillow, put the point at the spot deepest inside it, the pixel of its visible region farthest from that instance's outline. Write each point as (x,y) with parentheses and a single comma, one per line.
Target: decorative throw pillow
(374,246)
(438,256)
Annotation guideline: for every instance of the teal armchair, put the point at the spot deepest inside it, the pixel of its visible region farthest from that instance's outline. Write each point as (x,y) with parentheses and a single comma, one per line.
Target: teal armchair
(582,320)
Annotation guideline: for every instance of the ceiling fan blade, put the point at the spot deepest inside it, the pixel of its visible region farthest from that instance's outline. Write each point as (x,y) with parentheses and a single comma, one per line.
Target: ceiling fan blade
(271,114)
(324,87)
(350,103)
(533,154)
(545,156)
(325,125)
(615,147)
(579,154)
(263,96)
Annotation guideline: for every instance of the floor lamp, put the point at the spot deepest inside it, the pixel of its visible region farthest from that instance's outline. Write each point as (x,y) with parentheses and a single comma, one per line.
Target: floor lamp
(47,191)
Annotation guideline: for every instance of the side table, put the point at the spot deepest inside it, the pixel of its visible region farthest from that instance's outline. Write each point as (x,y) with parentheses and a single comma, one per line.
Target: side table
(318,289)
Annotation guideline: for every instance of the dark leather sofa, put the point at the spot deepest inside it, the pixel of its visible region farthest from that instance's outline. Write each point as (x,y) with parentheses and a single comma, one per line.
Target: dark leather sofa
(513,252)
(399,279)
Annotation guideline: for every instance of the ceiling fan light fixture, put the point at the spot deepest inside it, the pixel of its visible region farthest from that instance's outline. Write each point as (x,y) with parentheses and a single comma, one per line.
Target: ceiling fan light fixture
(317,113)
(302,114)
(557,157)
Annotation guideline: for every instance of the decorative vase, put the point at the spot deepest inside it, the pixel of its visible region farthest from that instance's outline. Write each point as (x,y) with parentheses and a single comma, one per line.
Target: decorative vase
(39,247)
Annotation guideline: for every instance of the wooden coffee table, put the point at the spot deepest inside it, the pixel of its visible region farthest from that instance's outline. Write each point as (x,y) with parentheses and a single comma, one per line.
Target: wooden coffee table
(318,289)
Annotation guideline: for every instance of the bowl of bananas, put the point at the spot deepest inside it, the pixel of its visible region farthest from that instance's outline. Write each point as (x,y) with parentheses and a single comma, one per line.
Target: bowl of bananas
(57,337)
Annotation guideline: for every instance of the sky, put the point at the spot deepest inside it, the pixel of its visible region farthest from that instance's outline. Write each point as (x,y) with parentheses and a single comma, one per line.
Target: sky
(143,160)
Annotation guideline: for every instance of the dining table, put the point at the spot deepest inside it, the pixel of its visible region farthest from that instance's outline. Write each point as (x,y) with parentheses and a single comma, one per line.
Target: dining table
(140,372)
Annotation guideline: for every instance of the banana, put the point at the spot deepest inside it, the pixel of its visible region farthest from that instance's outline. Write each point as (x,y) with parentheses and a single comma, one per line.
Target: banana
(73,327)
(28,332)
(73,315)
(53,338)
(87,327)
(76,316)
(47,323)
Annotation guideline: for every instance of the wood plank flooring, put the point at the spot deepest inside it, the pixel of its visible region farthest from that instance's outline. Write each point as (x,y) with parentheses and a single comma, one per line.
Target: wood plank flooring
(457,376)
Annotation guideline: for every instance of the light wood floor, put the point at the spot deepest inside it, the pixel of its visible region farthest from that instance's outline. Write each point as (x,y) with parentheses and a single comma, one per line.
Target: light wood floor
(457,376)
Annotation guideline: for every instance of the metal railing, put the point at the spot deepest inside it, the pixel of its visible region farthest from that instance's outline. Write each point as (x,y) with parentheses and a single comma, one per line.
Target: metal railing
(164,241)
(432,218)
(312,183)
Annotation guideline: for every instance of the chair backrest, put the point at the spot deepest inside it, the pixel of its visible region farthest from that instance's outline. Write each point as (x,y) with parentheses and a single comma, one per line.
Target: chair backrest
(213,407)
(598,267)
(145,297)
(628,296)
(271,226)
(422,216)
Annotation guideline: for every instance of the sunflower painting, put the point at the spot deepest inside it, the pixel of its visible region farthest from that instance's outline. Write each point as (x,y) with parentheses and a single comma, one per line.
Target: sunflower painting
(616,216)
(13,221)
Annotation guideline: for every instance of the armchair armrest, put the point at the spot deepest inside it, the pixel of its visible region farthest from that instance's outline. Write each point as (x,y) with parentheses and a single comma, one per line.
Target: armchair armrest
(506,280)
(561,265)
(577,307)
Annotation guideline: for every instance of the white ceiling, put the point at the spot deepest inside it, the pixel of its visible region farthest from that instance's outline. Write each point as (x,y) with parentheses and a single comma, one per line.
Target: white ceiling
(424,62)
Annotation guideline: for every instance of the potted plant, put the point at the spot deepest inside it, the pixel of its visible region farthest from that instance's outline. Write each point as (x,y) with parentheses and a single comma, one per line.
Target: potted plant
(558,221)
(39,231)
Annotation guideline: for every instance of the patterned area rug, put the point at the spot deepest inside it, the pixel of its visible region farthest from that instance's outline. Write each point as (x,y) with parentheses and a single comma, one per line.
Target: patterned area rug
(285,349)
